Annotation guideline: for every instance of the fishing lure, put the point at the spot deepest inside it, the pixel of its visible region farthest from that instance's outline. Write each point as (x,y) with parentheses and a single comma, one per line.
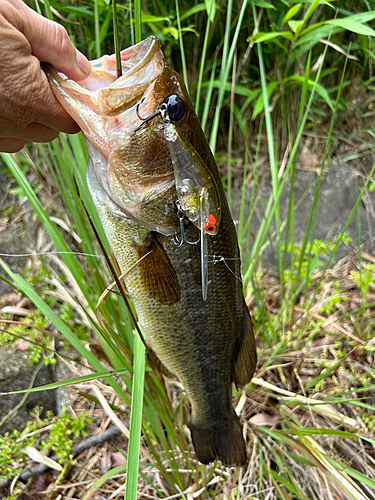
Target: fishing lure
(191,175)
(198,196)
(197,192)
(203,196)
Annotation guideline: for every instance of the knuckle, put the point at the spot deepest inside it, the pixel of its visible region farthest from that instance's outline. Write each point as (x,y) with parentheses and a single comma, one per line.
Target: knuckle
(31,100)
(62,40)
(26,96)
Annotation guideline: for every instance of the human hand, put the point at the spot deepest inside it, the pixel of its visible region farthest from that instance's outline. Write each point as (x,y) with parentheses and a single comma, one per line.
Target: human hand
(28,109)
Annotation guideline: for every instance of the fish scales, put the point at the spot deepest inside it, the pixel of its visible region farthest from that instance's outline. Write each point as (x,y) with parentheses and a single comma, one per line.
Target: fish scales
(207,344)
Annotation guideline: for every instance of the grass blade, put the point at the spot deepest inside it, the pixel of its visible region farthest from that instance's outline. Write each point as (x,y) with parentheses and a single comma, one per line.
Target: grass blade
(70,260)
(138,20)
(116,41)
(183,59)
(226,65)
(135,420)
(61,326)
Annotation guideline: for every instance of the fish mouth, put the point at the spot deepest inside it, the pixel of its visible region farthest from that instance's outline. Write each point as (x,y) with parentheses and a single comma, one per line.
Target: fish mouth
(105,108)
(102,103)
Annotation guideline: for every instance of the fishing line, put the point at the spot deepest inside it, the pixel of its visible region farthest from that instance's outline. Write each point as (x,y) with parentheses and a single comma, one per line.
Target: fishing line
(49,253)
(219,258)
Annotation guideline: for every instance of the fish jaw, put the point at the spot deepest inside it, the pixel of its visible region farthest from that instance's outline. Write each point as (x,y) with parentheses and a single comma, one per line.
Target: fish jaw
(106,109)
(132,159)
(99,102)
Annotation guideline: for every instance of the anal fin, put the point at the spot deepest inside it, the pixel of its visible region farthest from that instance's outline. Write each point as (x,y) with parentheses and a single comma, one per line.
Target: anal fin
(246,359)
(157,273)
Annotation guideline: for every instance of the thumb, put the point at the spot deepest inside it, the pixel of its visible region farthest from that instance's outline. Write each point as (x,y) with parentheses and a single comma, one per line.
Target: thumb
(50,43)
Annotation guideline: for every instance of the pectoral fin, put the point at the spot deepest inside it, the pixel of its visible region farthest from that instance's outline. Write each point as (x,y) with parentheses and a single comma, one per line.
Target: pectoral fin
(157,273)
(246,360)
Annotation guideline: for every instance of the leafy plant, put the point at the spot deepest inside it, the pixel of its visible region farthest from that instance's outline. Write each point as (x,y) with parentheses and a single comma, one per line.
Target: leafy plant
(364,279)
(65,431)
(311,260)
(10,454)
(34,327)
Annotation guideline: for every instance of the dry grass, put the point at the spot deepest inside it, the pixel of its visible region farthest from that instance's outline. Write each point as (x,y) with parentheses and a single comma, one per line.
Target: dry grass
(277,410)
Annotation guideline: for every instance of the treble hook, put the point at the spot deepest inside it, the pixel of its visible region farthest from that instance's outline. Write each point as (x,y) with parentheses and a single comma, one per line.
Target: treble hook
(179,242)
(176,242)
(144,120)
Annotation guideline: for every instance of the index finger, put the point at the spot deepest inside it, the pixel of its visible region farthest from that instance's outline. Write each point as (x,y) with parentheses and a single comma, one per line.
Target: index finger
(49,41)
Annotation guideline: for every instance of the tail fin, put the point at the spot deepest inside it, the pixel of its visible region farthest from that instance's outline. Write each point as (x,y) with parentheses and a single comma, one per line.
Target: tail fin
(224,443)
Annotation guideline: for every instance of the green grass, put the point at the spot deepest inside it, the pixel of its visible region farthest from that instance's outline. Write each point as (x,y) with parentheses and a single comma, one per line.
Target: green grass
(262,68)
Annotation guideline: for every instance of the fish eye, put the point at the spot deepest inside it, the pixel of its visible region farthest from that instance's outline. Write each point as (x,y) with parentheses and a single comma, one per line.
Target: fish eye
(176,107)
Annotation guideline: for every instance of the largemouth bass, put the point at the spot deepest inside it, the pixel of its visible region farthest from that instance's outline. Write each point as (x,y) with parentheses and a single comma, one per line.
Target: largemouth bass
(157,190)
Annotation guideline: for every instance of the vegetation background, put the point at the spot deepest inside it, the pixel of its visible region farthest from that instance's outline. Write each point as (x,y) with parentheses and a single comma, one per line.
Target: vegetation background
(265,77)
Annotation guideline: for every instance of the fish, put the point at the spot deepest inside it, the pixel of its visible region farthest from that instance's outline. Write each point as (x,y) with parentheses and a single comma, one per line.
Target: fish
(156,187)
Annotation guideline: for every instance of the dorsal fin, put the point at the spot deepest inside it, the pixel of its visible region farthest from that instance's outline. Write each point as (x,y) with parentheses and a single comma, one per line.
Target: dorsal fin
(246,359)
(157,273)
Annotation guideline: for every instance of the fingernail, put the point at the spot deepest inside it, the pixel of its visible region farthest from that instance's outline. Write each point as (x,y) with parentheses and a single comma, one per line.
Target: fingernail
(83,64)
